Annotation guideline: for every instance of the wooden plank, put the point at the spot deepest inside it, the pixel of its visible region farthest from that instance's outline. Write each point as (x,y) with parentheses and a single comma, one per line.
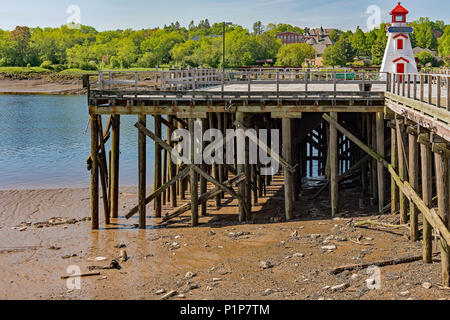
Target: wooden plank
(429,123)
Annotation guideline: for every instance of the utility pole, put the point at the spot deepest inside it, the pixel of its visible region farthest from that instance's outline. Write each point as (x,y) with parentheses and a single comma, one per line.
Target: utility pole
(223,47)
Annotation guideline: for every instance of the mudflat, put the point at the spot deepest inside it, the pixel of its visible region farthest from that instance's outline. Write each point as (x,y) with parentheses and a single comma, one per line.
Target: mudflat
(41,86)
(44,232)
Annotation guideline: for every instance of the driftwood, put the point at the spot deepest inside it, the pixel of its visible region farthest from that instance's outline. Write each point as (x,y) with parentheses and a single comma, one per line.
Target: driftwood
(378,264)
(82,275)
(376,223)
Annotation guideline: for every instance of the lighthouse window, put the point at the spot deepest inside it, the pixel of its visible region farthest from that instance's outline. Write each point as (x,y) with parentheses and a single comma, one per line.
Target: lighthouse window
(399,44)
(399,18)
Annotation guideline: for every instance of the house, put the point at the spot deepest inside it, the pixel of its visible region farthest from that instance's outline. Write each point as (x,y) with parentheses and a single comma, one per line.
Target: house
(291,37)
(197,38)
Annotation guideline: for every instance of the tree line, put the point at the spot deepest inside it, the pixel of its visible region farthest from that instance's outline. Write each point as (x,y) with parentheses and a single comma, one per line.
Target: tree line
(196,45)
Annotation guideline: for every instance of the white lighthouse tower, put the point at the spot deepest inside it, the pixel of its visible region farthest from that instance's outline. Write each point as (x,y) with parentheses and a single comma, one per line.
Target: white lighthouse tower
(399,55)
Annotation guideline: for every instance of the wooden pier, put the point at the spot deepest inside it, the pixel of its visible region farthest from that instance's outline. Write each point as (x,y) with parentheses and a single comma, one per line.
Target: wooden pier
(390,131)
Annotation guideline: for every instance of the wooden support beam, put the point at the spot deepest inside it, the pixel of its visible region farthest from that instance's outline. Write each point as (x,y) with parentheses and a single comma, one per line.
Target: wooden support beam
(204,167)
(414,181)
(183,173)
(334,186)
(94,173)
(431,214)
(427,196)
(239,124)
(381,152)
(172,165)
(187,161)
(402,169)
(241,170)
(103,170)
(142,173)
(288,176)
(158,167)
(193,177)
(443,190)
(394,164)
(114,165)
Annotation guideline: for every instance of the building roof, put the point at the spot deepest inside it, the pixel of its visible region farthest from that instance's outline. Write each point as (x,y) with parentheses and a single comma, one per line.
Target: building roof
(399,9)
(320,48)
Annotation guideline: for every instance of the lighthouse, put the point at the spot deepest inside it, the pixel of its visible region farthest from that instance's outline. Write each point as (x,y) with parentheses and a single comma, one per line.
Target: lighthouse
(399,56)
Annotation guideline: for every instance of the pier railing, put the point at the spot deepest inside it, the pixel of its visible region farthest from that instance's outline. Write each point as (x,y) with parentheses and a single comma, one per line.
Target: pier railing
(432,89)
(248,80)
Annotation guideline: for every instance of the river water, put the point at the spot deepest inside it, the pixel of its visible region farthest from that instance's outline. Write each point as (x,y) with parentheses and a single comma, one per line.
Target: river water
(44,143)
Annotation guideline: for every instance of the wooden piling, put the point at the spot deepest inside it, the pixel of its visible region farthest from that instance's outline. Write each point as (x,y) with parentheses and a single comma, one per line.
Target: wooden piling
(94,173)
(442,188)
(240,170)
(142,172)
(203,182)
(114,165)
(414,182)
(401,170)
(394,163)
(427,196)
(193,177)
(380,166)
(288,176)
(103,170)
(158,167)
(172,166)
(334,167)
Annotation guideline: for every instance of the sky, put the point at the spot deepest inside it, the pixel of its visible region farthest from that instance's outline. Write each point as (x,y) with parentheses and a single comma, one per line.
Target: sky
(143,14)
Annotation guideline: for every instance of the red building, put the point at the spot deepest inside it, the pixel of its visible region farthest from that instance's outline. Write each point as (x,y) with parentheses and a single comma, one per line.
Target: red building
(292,37)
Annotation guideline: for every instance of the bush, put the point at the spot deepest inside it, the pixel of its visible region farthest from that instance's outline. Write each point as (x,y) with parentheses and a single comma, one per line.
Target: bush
(47,65)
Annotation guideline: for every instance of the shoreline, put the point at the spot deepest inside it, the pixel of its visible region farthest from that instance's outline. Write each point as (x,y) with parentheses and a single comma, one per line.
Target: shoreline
(41,86)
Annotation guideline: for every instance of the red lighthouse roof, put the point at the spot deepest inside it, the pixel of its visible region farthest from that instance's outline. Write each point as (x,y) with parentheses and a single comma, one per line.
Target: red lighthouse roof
(399,10)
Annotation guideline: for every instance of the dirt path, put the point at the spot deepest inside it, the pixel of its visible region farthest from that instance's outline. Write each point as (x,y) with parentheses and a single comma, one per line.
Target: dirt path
(221,259)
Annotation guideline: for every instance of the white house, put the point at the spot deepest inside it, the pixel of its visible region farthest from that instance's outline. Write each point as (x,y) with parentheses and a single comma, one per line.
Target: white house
(399,55)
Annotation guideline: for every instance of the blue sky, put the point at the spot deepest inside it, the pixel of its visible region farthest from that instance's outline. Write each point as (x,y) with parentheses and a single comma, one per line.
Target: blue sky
(138,14)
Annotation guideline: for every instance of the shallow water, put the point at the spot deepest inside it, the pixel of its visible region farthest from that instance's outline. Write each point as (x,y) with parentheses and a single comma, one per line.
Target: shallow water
(43,143)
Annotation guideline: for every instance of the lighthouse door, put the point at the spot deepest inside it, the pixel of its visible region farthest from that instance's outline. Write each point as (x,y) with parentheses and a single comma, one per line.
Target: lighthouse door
(400,69)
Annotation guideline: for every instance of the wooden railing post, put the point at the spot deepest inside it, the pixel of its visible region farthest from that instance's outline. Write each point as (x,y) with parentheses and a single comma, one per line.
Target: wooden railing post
(438,97)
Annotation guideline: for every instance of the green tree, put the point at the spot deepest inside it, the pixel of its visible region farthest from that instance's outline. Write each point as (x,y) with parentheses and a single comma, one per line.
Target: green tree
(258,28)
(339,54)
(295,54)
(358,41)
